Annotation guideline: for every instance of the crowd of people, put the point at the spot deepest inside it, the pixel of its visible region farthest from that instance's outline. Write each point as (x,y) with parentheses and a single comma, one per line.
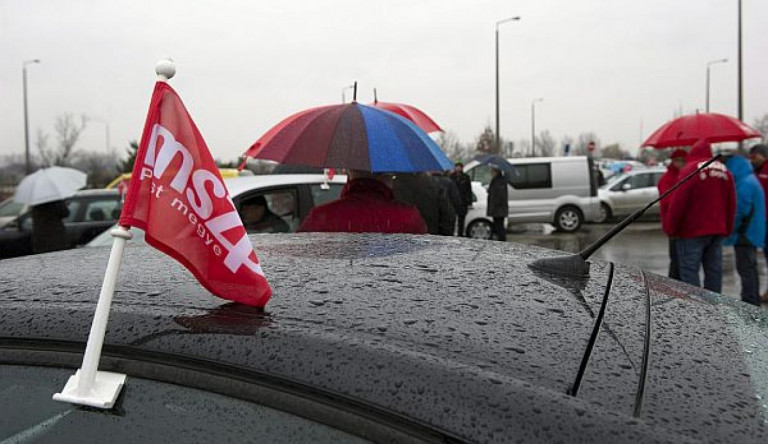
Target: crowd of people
(407,203)
(722,205)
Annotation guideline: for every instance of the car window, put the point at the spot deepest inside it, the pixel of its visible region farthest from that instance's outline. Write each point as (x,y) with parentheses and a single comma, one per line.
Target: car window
(102,210)
(656,177)
(533,175)
(481,173)
(10,208)
(148,411)
(639,181)
(73,206)
(321,194)
(618,184)
(274,211)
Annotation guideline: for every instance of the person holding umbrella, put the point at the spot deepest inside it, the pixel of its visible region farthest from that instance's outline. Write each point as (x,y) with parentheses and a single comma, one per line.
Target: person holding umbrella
(749,228)
(498,205)
(666,182)
(700,216)
(366,205)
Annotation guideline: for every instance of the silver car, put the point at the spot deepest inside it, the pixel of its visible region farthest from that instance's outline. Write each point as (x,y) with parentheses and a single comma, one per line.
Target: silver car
(627,192)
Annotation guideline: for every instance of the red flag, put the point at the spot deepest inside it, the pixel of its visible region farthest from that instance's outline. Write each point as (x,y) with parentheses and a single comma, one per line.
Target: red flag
(177,196)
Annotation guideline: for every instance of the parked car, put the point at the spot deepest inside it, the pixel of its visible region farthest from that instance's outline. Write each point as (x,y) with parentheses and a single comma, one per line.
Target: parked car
(90,213)
(627,192)
(383,338)
(289,196)
(557,190)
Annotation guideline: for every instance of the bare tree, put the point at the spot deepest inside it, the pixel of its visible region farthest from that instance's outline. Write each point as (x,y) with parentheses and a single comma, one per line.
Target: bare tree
(614,151)
(100,167)
(486,141)
(581,145)
(452,147)
(761,125)
(67,134)
(545,144)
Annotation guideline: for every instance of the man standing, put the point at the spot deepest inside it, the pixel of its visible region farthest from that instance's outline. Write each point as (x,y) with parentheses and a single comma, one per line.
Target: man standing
(700,215)
(758,155)
(666,182)
(464,184)
(498,205)
(749,228)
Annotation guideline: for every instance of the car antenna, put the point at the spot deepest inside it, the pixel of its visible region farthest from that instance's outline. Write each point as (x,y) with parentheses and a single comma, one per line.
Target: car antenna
(576,265)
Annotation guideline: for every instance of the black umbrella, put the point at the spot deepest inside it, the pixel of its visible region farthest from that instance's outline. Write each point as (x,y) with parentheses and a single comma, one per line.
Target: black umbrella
(508,170)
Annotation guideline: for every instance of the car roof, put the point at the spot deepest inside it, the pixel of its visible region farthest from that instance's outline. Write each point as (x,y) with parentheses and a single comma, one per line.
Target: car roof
(98,192)
(239,185)
(459,334)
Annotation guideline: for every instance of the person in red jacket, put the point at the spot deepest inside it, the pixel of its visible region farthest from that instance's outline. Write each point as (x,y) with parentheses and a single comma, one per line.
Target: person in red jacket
(700,215)
(666,182)
(758,155)
(366,205)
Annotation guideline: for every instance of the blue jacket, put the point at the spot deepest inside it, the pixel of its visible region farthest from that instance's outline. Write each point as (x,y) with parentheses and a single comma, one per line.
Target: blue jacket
(749,198)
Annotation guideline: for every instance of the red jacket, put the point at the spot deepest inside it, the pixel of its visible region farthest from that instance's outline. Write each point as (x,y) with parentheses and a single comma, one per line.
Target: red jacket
(667,180)
(365,206)
(706,204)
(762,175)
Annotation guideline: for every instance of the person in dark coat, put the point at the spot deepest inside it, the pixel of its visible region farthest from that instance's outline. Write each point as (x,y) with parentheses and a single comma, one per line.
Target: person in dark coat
(464,184)
(423,192)
(666,182)
(749,228)
(366,205)
(258,218)
(700,216)
(758,155)
(498,205)
(48,231)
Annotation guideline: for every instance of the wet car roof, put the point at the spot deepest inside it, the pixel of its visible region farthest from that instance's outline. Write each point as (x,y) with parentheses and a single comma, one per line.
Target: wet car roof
(457,333)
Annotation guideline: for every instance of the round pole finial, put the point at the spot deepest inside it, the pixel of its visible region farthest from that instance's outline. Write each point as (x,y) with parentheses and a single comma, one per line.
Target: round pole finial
(165,69)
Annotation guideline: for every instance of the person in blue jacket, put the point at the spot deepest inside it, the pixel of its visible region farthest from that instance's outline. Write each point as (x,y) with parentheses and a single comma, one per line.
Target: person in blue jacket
(748,228)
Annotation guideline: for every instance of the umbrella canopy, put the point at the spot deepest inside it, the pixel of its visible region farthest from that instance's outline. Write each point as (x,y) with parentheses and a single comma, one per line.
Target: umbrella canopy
(713,127)
(415,115)
(499,163)
(351,136)
(49,184)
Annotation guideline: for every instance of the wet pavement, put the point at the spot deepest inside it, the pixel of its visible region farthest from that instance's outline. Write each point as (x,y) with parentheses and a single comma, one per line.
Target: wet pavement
(642,244)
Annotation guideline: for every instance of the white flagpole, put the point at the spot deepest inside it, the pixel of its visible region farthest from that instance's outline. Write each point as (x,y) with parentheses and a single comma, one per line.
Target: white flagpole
(88,386)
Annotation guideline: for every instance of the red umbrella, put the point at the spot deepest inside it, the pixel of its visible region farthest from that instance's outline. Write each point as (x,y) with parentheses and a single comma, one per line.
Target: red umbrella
(713,127)
(411,113)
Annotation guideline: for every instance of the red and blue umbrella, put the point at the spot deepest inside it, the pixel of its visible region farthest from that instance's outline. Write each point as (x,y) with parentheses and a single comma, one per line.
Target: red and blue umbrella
(351,136)
(415,115)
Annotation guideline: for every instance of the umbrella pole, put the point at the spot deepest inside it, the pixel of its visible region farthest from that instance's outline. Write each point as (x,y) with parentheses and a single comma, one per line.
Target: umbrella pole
(88,386)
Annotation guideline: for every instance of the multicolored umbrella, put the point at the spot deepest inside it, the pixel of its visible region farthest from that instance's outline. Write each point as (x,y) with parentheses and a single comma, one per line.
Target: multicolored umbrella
(415,115)
(713,127)
(351,136)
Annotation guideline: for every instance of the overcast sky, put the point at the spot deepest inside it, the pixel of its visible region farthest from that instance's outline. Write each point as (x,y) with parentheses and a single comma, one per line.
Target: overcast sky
(619,68)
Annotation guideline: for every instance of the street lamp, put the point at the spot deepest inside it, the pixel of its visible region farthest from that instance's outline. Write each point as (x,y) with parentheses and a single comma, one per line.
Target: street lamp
(533,126)
(713,62)
(498,136)
(741,89)
(27,166)
(343,97)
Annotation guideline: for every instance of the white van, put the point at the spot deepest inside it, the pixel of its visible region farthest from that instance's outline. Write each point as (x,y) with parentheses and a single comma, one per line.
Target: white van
(556,190)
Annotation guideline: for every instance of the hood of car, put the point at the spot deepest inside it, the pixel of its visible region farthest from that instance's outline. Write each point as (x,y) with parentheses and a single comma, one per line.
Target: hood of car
(413,322)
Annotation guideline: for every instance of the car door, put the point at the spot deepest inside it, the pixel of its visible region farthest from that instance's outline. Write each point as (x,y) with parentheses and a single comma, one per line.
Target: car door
(632,193)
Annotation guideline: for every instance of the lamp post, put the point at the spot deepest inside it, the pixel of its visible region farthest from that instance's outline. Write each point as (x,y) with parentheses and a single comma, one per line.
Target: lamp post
(533,126)
(344,97)
(27,166)
(741,90)
(713,62)
(498,135)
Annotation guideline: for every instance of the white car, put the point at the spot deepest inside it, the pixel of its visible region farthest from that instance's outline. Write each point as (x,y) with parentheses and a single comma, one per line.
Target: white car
(288,196)
(627,192)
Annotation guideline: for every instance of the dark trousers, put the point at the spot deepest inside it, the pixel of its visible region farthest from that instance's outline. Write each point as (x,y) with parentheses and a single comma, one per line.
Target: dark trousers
(746,266)
(499,230)
(674,266)
(461,215)
(706,251)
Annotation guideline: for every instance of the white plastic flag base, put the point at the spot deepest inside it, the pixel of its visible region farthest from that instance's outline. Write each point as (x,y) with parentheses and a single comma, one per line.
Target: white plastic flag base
(102,394)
